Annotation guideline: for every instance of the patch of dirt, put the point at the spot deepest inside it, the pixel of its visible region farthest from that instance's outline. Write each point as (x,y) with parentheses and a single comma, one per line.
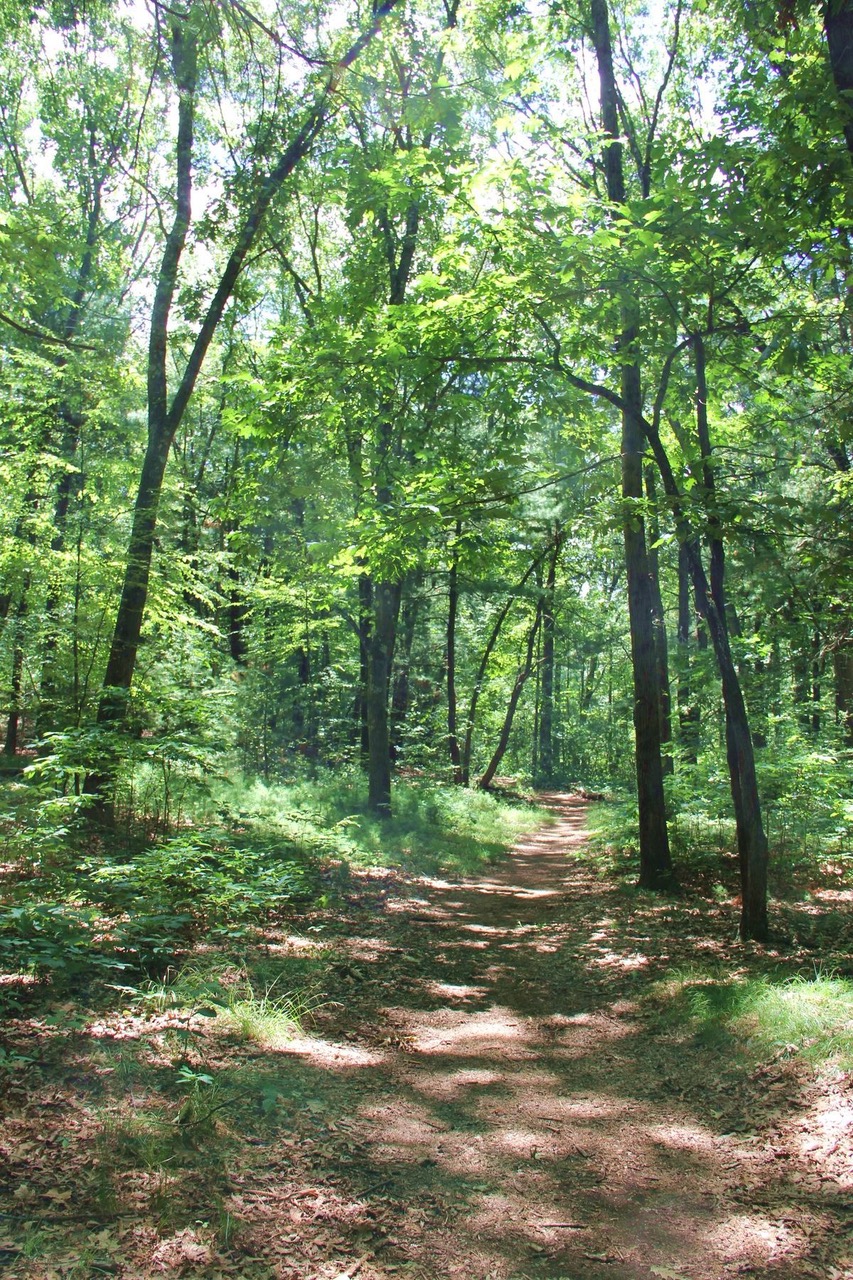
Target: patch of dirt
(485,1094)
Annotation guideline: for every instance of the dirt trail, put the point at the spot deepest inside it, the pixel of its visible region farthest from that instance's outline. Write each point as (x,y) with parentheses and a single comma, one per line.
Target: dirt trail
(488,1100)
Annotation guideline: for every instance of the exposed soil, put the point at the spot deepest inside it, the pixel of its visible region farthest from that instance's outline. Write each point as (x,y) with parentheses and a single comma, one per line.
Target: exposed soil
(486,1093)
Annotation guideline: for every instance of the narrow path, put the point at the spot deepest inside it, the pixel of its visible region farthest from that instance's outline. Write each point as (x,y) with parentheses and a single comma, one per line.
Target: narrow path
(488,1100)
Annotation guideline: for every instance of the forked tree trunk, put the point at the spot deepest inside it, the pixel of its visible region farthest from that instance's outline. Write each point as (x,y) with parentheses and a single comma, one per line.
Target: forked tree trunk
(710,599)
(164,418)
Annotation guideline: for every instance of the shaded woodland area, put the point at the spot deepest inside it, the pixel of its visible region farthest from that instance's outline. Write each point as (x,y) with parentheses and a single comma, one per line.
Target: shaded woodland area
(410,410)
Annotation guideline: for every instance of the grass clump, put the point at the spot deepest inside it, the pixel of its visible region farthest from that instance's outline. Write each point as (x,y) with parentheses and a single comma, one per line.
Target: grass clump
(808,1016)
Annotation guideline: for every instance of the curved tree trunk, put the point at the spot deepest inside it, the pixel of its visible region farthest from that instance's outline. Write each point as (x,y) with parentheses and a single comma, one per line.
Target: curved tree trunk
(506,729)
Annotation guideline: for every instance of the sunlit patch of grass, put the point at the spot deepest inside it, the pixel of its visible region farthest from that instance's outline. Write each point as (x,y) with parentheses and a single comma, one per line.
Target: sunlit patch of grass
(434,828)
(230,994)
(268,1020)
(808,1016)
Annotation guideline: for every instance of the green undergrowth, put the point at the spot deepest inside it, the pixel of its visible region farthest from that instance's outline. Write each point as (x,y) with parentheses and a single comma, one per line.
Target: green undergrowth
(808,1017)
(79,904)
(433,829)
(703,842)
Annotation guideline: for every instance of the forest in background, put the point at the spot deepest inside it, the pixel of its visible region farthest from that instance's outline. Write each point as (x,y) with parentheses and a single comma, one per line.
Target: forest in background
(435,392)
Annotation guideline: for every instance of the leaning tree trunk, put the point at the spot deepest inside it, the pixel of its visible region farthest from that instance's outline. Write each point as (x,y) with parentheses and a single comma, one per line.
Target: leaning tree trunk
(655,861)
(506,728)
(452,707)
(164,419)
(752,841)
(544,772)
(386,606)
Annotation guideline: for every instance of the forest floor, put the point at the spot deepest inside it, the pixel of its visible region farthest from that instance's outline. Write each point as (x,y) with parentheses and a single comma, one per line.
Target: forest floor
(490,1088)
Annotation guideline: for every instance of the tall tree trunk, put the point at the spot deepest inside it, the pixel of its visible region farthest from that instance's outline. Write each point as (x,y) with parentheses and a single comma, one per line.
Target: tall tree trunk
(655,861)
(164,419)
(506,729)
(659,624)
(386,605)
(452,609)
(161,428)
(544,774)
(752,842)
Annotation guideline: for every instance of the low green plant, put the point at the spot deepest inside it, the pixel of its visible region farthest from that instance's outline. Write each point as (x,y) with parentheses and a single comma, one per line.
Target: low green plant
(807,1016)
(268,1019)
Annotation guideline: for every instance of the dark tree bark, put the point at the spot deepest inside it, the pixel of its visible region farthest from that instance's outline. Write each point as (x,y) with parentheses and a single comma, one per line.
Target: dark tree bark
(710,598)
(838,25)
(655,860)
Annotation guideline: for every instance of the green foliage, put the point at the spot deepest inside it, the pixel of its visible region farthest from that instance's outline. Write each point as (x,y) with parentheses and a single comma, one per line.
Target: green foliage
(809,1017)
(278,849)
(434,828)
(58,938)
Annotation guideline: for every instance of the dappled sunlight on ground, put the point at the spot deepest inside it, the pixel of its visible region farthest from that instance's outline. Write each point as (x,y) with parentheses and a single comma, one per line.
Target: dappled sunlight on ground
(483,1093)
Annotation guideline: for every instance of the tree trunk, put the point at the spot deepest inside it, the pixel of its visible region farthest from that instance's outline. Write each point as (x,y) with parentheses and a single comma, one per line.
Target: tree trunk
(838,25)
(452,609)
(386,605)
(520,680)
(544,774)
(752,841)
(163,418)
(659,625)
(655,860)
